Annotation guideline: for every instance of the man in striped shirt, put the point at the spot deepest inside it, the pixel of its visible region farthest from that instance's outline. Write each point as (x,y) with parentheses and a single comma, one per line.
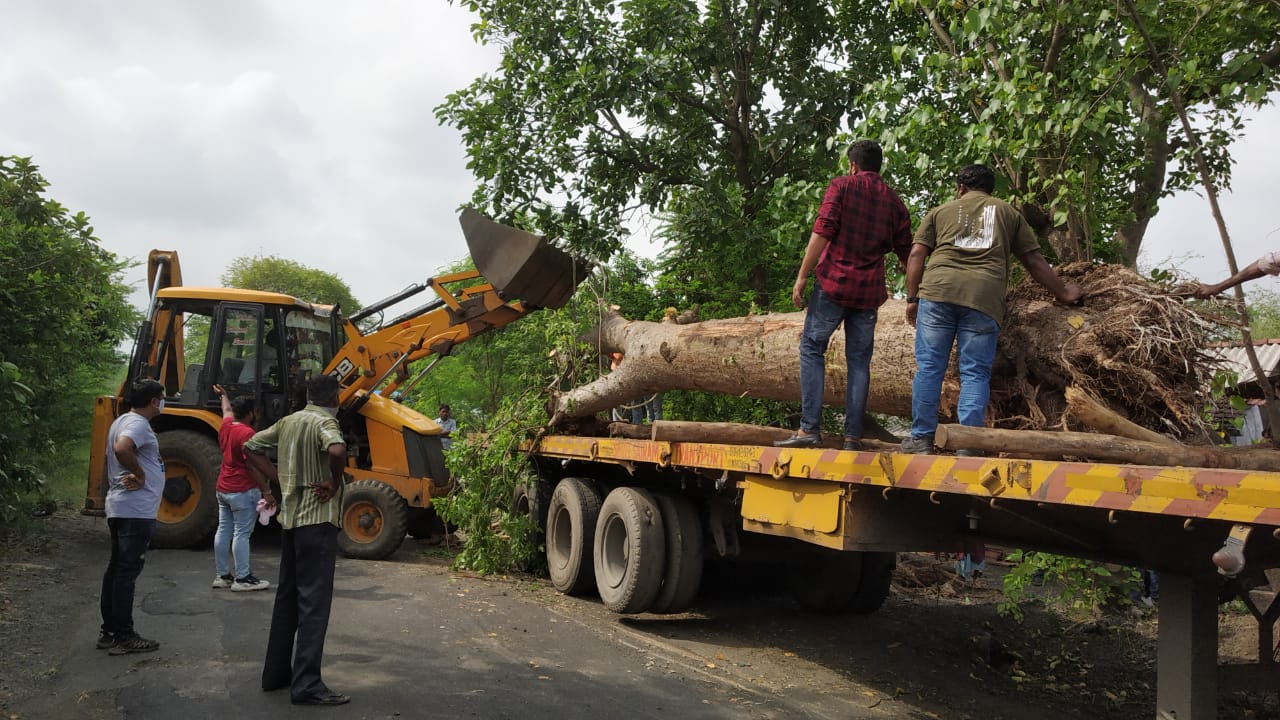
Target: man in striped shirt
(312,457)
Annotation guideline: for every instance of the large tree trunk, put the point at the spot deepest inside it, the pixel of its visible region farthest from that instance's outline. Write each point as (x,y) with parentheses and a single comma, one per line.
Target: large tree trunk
(757,356)
(1132,344)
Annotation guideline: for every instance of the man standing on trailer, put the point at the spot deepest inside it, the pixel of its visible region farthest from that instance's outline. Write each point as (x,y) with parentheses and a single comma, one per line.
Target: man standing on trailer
(959,298)
(861,220)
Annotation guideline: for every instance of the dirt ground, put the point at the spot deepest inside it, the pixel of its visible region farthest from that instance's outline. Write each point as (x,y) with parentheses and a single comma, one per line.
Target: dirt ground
(937,649)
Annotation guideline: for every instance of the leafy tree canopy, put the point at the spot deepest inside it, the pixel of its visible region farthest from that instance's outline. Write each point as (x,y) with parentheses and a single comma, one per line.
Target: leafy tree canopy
(711,112)
(275,274)
(63,309)
(1064,99)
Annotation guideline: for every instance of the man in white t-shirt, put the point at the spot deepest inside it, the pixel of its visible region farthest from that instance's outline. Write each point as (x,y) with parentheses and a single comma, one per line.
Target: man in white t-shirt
(1268,264)
(447,426)
(135,474)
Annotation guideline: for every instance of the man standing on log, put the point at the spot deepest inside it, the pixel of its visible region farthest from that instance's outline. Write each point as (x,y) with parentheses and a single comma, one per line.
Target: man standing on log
(959,299)
(1268,264)
(861,220)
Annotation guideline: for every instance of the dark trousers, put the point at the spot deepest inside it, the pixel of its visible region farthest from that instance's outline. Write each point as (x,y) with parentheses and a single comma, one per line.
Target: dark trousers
(130,538)
(300,619)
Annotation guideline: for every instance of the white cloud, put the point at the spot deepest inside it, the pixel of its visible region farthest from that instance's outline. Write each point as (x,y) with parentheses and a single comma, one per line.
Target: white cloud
(1184,233)
(305,129)
(301,129)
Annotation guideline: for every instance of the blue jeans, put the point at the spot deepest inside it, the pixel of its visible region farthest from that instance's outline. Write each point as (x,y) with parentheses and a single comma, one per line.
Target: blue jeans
(130,538)
(236,515)
(649,407)
(939,325)
(820,323)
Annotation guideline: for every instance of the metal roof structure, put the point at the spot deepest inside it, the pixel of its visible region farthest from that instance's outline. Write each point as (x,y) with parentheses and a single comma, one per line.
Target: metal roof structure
(1233,358)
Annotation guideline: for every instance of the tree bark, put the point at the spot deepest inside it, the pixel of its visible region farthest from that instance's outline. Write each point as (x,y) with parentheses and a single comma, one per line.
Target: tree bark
(755,356)
(1092,446)
(1090,411)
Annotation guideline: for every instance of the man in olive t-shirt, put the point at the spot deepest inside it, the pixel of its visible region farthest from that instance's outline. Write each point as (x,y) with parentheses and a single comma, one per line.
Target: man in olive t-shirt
(959,298)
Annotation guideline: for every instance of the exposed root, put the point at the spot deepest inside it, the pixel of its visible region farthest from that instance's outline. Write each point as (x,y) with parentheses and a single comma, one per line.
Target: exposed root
(1134,344)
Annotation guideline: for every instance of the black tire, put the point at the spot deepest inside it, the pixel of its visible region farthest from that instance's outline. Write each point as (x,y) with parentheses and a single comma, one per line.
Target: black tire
(374,520)
(824,581)
(682,573)
(188,512)
(421,523)
(571,525)
(630,550)
(873,586)
(532,498)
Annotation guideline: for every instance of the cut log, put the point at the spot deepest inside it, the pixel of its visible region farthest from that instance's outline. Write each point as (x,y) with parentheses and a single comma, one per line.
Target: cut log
(717,432)
(1090,411)
(1093,446)
(725,434)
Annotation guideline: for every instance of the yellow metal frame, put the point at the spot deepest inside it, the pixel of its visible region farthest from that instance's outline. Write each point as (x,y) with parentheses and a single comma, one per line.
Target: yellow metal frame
(777,481)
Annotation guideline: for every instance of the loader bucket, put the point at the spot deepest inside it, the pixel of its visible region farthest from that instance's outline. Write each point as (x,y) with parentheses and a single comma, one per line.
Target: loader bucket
(520,265)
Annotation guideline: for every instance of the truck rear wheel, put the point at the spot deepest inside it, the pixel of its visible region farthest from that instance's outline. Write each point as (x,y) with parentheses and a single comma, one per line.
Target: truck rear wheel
(824,581)
(682,575)
(873,585)
(374,520)
(188,512)
(571,524)
(630,550)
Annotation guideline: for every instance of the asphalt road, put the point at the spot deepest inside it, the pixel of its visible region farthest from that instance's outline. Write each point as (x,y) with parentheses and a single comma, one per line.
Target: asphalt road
(410,639)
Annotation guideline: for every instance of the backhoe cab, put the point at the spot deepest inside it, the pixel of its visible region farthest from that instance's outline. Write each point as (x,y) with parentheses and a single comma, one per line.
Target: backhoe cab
(269,345)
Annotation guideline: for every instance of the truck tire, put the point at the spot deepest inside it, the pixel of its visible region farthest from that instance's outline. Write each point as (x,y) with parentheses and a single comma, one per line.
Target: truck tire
(188,512)
(571,524)
(824,581)
(874,583)
(374,520)
(532,498)
(630,550)
(682,573)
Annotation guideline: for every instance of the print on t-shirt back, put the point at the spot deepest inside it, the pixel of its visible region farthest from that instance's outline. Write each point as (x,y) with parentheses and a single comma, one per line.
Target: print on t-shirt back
(980,235)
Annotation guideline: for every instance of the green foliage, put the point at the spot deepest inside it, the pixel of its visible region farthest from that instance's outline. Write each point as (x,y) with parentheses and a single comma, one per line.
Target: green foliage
(1264,314)
(694,112)
(525,359)
(1062,100)
(275,274)
(63,310)
(485,466)
(1081,585)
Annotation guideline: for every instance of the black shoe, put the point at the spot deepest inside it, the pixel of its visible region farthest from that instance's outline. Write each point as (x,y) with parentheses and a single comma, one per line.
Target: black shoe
(916,445)
(797,440)
(328,697)
(851,444)
(106,640)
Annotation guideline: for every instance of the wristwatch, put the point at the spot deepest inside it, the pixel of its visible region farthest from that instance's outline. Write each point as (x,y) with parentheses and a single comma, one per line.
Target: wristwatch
(912,299)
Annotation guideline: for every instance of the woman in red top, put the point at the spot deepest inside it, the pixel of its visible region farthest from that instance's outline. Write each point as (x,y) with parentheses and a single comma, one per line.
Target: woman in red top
(238,494)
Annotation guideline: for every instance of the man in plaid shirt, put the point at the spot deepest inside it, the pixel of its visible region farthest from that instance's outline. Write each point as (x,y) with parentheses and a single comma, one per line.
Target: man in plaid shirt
(861,220)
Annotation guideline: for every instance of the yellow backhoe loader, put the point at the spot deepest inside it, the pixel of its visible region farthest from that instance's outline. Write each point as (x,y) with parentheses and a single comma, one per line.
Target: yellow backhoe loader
(268,345)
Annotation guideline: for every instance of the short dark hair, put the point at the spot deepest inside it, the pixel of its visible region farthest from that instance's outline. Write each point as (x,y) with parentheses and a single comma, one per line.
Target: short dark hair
(323,390)
(144,391)
(242,406)
(977,177)
(445,406)
(867,155)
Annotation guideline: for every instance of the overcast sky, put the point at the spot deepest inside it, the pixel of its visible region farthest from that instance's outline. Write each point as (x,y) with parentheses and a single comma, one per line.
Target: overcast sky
(304,129)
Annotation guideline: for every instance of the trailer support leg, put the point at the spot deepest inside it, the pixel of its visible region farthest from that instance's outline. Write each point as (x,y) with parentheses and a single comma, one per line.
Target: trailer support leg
(1187,654)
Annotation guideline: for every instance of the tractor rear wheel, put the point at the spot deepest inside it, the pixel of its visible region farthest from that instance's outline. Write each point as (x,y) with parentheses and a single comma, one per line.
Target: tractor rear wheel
(188,512)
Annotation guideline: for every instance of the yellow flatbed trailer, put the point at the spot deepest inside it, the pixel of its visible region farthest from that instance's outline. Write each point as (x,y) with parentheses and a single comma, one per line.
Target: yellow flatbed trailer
(595,496)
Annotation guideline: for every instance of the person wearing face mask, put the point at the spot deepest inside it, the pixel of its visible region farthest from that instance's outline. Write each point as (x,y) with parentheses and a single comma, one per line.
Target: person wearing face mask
(312,457)
(136,476)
